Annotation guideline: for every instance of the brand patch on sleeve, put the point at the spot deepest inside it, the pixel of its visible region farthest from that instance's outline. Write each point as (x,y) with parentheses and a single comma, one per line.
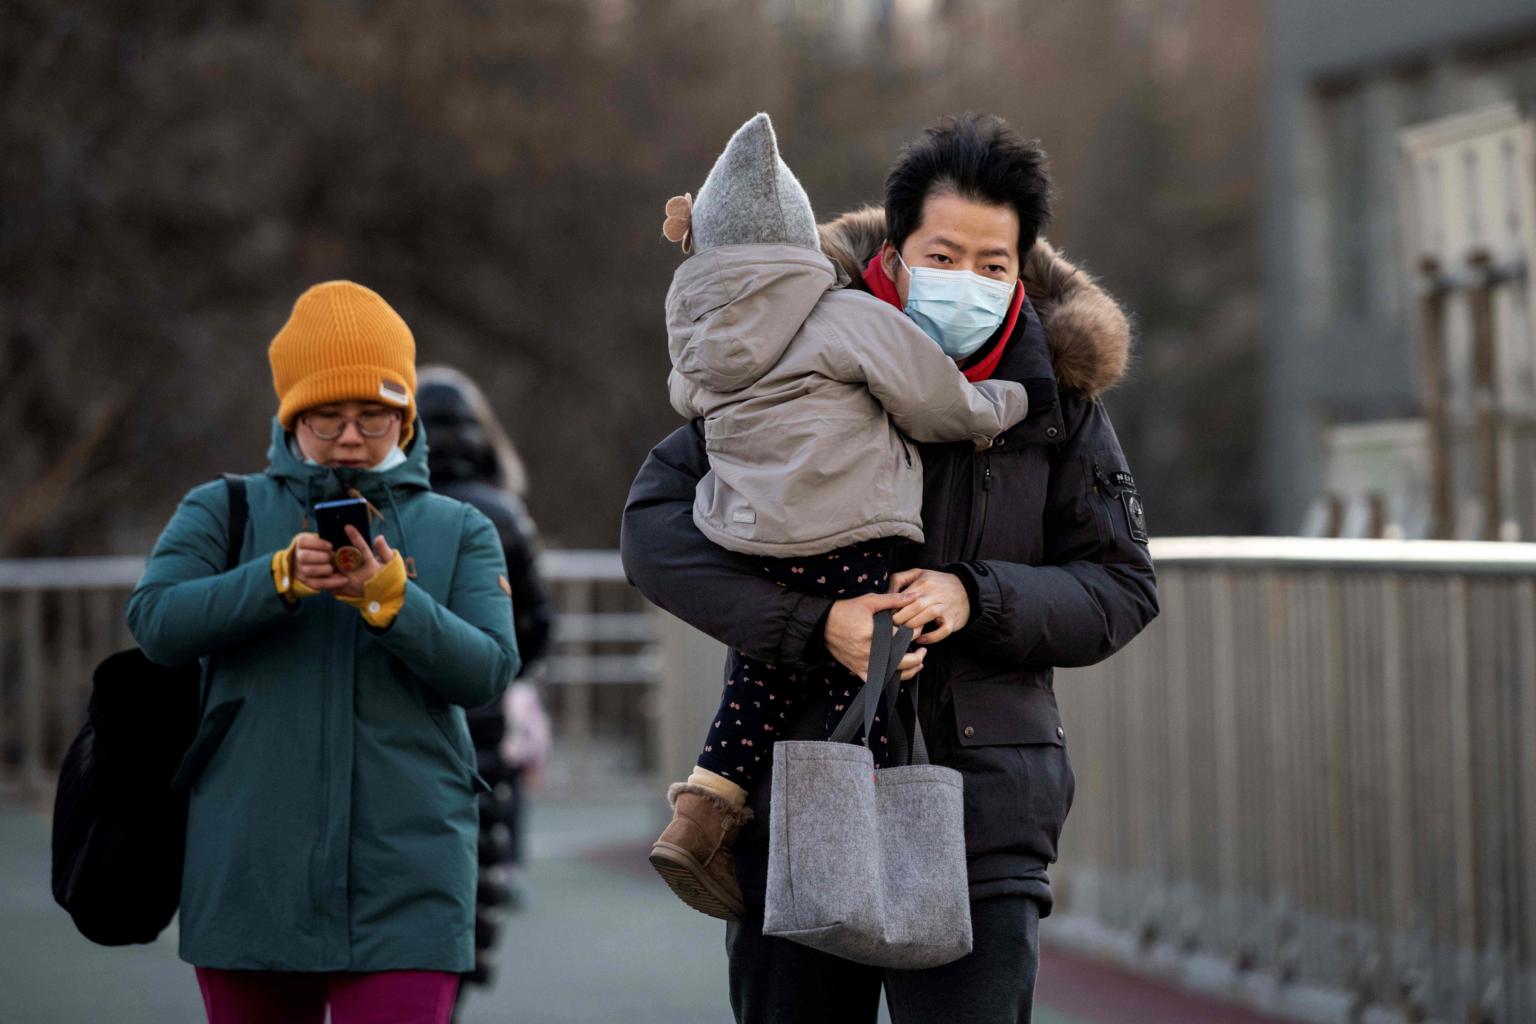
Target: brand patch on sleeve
(392,392)
(744,515)
(1135,514)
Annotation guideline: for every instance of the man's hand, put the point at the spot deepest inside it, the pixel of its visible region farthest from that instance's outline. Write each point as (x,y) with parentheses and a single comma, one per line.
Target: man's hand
(851,626)
(934,597)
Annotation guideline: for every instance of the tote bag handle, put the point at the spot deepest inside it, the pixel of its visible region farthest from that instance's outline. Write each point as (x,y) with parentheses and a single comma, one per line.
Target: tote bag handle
(883,686)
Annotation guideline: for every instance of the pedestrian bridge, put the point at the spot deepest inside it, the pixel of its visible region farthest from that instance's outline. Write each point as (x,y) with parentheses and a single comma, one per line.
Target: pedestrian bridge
(1307,791)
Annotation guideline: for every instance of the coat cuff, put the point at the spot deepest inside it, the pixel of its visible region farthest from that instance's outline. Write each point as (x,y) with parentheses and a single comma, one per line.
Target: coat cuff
(283,578)
(990,621)
(383,595)
(967,575)
(802,644)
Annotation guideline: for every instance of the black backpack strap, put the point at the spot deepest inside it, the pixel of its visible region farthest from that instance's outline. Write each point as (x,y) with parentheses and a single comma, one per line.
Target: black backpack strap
(239,512)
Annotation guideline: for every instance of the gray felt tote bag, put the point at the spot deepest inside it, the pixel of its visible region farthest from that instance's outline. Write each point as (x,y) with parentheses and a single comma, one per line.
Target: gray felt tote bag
(863,864)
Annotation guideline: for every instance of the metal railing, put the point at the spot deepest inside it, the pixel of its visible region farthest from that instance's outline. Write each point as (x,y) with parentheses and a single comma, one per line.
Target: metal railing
(59,617)
(1311,784)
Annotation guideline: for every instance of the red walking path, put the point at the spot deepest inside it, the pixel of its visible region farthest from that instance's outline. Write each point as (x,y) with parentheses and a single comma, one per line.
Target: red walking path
(1076,990)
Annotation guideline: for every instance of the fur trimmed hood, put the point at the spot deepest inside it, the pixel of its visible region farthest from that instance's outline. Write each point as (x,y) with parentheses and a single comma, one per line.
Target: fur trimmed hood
(1088,333)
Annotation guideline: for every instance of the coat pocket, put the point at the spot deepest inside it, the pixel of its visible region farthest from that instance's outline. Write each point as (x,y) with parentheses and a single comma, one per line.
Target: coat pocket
(1005,713)
(802,475)
(1011,750)
(210,735)
(459,747)
(1117,506)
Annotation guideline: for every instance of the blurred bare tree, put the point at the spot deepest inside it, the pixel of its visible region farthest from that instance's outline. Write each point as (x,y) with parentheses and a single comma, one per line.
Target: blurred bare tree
(174,175)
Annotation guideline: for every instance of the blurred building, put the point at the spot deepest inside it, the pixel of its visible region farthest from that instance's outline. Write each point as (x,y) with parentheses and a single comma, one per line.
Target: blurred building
(1401,380)
(911,32)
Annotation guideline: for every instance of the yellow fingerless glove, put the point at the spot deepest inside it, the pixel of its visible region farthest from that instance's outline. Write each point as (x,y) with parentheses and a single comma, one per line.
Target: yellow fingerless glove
(283,578)
(383,596)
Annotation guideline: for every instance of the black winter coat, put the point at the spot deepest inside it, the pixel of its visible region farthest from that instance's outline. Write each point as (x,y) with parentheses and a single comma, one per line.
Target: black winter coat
(533,614)
(463,464)
(1047,533)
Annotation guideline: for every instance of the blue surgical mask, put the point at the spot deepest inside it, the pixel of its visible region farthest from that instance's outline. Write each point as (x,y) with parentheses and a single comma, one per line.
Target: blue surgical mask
(396,457)
(956,308)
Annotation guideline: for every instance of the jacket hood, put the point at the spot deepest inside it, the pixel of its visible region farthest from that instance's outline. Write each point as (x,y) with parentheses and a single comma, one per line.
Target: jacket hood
(1087,331)
(324,482)
(462,450)
(732,311)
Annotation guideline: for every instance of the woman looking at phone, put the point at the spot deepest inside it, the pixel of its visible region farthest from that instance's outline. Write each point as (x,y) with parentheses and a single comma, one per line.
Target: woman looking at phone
(331,836)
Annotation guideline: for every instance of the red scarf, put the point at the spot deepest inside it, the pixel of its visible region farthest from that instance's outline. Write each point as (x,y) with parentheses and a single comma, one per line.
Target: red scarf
(882,287)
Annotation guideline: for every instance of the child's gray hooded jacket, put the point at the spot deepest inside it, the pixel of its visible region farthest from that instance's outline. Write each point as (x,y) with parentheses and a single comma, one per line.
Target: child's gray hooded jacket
(805,388)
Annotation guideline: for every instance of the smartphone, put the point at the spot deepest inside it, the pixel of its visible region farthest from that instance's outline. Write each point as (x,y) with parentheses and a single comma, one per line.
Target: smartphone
(333,517)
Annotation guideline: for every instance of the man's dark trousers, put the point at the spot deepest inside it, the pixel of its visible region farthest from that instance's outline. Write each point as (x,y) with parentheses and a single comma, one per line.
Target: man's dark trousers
(776,981)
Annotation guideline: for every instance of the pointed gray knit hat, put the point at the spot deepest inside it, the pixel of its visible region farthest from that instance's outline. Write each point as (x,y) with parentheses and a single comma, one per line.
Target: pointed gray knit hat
(751,196)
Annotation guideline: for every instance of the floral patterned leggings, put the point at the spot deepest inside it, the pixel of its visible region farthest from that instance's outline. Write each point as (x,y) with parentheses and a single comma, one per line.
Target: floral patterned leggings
(760,698)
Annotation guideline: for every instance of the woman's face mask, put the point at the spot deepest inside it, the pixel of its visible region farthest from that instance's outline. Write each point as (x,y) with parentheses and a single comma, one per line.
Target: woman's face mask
(956,308)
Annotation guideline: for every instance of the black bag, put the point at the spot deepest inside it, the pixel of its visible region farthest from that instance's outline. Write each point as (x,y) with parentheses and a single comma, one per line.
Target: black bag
(120,811)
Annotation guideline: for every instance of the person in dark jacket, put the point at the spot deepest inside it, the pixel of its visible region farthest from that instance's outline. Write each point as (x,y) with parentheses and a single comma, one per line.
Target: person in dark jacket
(1035,556)
(473,460)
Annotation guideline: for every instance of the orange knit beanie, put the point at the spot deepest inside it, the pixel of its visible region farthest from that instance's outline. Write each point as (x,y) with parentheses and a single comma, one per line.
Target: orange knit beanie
(344,343)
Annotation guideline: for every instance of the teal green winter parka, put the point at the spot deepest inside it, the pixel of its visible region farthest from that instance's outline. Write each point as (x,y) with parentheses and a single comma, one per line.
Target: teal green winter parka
(333,822)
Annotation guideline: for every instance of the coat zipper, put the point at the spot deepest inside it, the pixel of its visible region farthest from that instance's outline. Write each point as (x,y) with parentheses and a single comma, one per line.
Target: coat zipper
(1107,493)
(1103,481)
(986,491)
(906,449)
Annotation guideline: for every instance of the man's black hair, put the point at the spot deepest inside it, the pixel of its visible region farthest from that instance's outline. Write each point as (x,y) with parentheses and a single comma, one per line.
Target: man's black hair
(976,157)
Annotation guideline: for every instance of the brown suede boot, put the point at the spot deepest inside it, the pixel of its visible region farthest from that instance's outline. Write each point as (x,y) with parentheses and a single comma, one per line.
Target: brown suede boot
(693,854)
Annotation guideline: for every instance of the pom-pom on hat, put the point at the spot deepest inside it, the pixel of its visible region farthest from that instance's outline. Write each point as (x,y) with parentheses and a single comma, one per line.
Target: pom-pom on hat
(751,196)
(344,343)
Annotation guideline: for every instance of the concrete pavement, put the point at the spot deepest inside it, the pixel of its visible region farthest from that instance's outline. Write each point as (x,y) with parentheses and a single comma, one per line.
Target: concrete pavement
(602,940)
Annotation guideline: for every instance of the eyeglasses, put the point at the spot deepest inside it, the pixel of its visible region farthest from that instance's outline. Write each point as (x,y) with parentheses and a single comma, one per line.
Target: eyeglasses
(328,426)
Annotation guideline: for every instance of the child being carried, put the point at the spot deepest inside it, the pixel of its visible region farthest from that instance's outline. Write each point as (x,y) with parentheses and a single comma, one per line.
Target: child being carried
(806,390)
